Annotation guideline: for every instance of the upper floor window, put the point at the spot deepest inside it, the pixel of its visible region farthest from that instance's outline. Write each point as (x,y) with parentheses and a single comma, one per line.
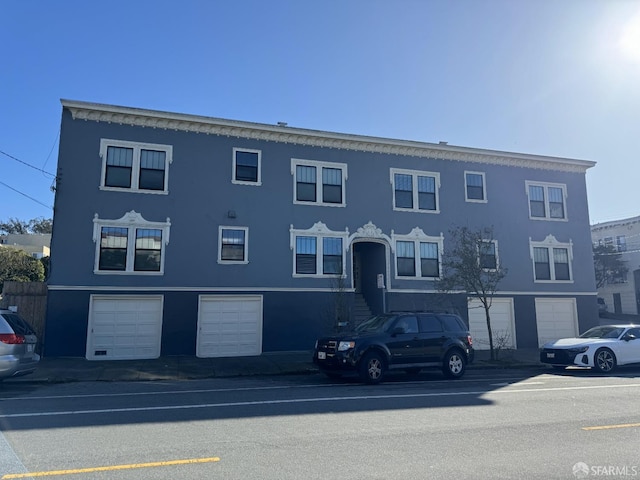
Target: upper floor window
(130,244)
(621,243)
(319,183)
(417,255)
(475,190)
(488,254)
(247,166)
(233,244)
(547,201)
(552,260)
(415,191)
(135,167)
(318,251)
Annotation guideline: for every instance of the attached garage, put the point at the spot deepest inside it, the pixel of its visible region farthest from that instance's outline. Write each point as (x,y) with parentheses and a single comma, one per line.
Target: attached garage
(229,326)
(556,318)
(502,324)
(124,327)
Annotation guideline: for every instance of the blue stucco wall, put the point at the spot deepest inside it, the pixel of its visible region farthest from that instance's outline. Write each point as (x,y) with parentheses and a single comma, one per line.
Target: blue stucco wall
(201,194)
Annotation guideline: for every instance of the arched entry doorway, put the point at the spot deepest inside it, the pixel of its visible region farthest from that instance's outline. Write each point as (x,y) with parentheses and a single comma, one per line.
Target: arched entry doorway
(369,258)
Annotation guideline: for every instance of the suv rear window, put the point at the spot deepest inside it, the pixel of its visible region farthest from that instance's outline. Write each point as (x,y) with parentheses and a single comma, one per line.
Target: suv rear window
(17,324)
(452,323)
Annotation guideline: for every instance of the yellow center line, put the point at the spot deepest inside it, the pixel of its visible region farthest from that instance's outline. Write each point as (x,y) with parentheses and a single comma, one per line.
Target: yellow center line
(608,427)
(112,468)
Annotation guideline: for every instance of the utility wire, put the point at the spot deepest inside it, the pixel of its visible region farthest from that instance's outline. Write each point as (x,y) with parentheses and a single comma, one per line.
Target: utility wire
(51,151)
(28,164)
(25,195)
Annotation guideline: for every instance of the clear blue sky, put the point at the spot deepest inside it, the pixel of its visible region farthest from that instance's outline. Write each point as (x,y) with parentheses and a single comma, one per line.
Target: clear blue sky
(546,77)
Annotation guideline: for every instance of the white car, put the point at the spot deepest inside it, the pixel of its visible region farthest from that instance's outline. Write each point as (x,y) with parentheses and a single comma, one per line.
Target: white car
(603,348)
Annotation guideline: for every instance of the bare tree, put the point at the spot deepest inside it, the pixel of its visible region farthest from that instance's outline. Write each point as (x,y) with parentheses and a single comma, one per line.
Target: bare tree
(608,265)
(471,264)
(338,312)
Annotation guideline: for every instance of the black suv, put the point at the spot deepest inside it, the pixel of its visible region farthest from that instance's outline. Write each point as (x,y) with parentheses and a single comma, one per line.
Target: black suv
(408,341)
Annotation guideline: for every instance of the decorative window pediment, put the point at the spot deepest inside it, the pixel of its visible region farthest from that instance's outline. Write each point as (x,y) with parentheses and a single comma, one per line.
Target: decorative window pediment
(418,255)
(130,245)
(318,251)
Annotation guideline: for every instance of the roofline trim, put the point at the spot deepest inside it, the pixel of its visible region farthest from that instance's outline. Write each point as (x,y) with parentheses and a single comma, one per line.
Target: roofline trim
(317,138)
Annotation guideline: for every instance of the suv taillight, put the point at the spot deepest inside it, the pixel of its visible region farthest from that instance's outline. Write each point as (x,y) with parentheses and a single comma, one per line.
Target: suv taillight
(469,340)
(11,338)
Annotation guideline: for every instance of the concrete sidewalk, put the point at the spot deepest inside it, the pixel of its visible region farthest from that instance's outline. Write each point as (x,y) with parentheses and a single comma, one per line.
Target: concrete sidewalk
(59,370)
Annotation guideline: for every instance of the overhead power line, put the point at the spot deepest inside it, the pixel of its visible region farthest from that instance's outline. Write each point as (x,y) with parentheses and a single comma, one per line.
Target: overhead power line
(25,195)
(28,164)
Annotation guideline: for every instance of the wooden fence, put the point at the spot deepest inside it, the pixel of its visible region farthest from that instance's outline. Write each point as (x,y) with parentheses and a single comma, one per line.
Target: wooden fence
(31,300)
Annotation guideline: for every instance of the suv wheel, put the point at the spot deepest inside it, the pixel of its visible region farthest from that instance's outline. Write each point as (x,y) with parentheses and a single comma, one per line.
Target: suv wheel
(454,364)
(372,368)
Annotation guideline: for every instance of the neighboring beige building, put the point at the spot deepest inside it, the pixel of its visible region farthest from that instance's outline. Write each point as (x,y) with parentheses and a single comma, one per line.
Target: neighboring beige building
(36,245)
(622,297)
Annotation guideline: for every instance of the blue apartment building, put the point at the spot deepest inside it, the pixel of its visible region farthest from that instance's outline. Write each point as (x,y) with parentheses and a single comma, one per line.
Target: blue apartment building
(178,234)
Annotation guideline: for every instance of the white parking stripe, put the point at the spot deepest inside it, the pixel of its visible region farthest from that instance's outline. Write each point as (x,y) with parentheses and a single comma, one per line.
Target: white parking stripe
(506,380)
(310,400)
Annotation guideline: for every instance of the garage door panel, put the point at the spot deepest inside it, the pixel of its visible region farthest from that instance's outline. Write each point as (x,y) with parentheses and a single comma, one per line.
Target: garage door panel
(556,318)
(124,327)
(502,324)
(229,326)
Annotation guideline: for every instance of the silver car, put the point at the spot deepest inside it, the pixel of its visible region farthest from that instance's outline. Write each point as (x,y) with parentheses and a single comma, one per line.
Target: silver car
(17,346)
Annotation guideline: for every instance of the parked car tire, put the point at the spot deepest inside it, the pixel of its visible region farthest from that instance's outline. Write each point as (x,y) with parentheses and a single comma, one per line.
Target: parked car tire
(604,360)
(372,368)
(454,364)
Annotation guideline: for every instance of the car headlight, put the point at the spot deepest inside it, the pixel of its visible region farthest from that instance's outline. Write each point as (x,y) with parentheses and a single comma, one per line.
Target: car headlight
(342,346)
(576,351)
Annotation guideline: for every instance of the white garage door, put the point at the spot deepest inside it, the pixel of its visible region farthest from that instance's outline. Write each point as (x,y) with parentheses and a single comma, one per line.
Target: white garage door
(556,318)
(502,324)
(229,326)
(124,327)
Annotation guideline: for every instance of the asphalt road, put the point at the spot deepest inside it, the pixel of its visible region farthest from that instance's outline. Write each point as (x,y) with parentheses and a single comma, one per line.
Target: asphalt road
(491,424)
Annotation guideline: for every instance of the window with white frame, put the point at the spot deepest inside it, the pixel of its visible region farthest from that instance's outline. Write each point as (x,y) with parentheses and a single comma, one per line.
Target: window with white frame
(552,260)
(247,166)
(319,183)
(547,201)
(488,254)
(418,255)
(318,251)
(474,184)
(130,245)
(135,167)
(233,244)
(415,191)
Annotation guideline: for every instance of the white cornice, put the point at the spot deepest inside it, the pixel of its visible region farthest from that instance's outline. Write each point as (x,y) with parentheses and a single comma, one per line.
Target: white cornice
(283,134)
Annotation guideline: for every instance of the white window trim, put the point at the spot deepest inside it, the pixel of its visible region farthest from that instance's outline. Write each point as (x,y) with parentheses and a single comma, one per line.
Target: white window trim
(319,231)
(546,185)
(484,187)
(246,245)
(414,181)
(416,236)
(135,167)
(233,167)
(495,243)
(550,243)
(132,221)
(319,165)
